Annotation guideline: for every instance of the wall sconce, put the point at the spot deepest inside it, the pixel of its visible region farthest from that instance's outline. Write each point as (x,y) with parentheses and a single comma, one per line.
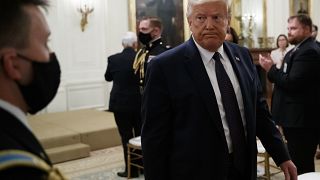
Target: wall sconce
(85,9)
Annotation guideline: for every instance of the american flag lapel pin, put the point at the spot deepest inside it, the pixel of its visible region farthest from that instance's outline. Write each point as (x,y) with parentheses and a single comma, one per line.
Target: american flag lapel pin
(238,59)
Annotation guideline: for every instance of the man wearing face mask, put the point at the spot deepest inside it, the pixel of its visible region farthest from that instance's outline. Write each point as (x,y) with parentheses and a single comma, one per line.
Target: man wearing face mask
(29,79)
(150,29)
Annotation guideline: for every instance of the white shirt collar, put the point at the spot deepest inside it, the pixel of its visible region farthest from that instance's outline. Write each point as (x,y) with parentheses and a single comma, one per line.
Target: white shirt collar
(15,111)
(207,55)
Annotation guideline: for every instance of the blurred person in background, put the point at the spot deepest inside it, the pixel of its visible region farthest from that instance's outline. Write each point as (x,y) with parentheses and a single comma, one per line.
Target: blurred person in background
(232,35)
(296,94)
(278,54)
(125,98)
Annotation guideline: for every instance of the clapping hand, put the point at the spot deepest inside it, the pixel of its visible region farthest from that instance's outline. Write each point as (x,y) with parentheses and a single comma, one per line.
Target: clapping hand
(265,62)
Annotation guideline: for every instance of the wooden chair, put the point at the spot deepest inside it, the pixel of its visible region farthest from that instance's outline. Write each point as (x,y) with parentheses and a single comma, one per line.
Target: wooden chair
(309,176)
(266,162)
(134,154)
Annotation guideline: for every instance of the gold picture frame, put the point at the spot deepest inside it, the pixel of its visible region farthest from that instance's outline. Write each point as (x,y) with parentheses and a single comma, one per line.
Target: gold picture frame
(299,7)
(179,29)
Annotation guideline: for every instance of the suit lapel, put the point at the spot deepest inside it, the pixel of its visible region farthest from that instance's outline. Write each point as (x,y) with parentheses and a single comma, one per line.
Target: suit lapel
(202,83)
(242,73)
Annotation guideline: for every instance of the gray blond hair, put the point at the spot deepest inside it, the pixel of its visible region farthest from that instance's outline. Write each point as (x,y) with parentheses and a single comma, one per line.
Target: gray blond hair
(129,39)
(191,3)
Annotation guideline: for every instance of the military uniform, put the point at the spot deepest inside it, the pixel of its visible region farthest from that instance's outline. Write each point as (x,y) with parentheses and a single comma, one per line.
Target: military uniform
(145,55)
(18,164)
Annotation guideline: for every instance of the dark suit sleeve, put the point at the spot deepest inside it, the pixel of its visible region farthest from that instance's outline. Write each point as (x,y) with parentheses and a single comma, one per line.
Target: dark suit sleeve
(108,75)
(269,134)
(303,67)
(266,129)
(156,115)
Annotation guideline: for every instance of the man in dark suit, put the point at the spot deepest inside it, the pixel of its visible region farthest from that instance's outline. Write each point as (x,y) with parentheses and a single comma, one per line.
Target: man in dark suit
(187,131)
(150,29)
(296,94)
(29,76)
(125,98)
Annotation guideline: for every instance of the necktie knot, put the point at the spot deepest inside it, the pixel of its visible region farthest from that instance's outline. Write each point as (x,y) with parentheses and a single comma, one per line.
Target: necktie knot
(216,56)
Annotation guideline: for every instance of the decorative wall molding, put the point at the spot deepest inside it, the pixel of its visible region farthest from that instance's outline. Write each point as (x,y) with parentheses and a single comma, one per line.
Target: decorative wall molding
(84,95)
(80,95)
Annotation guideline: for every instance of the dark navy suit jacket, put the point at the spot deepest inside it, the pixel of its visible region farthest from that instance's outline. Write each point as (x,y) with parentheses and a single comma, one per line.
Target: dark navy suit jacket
(182,135)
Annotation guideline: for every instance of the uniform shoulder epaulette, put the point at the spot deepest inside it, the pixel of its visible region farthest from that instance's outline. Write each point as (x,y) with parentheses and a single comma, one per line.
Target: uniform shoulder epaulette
(10,159)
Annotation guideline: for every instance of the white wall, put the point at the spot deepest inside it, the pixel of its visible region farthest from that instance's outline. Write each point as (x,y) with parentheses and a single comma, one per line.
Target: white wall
(83,55)
(315,14)
(277,15)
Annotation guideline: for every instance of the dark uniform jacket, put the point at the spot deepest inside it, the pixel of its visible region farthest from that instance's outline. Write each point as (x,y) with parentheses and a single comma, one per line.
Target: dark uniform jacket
(155,48)
(16,136)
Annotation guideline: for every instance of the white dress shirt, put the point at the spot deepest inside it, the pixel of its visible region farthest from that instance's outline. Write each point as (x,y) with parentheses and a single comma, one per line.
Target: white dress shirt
(209,64)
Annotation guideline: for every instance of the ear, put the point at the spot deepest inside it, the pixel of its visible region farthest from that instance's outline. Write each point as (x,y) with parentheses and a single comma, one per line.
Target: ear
(189,22)
(10,64)
(157,31)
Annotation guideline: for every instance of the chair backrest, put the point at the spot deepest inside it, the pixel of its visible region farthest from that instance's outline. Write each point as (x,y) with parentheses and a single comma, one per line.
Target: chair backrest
(260,147)
(135,141)
(309,176)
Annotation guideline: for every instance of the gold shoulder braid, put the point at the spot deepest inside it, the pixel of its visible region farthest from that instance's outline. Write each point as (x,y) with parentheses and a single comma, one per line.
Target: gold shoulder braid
(138,64)
(19,159)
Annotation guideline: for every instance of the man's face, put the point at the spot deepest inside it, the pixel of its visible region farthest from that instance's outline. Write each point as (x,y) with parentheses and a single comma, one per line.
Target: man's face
(208,23)
(297,32)
(144,26)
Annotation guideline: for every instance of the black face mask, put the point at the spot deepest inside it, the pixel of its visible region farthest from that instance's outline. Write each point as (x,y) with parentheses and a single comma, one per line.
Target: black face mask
(144,38)
(43,88)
